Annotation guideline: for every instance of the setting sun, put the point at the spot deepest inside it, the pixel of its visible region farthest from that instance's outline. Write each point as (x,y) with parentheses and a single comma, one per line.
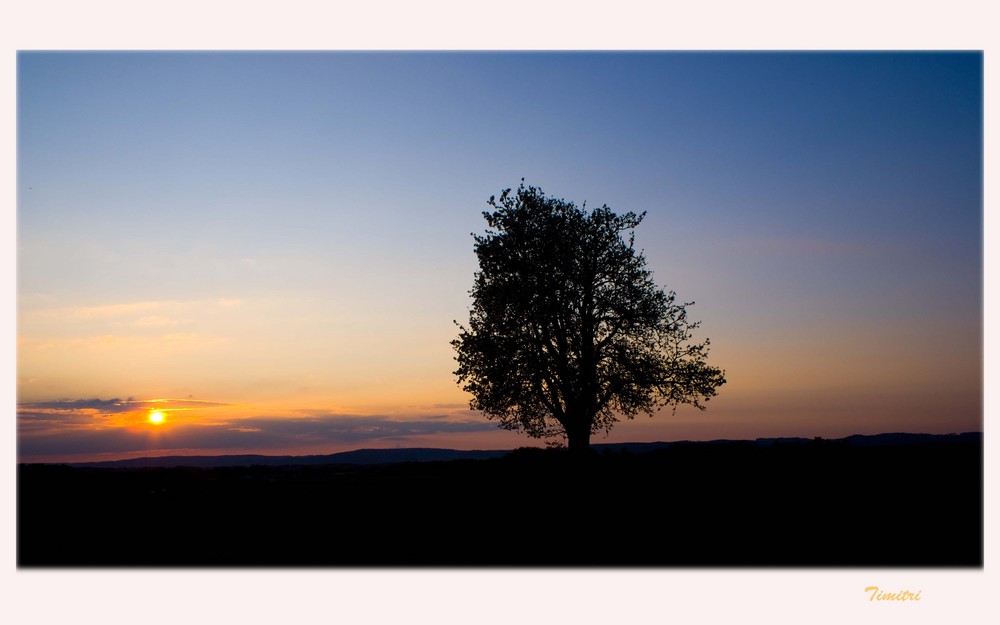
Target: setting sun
(156,417)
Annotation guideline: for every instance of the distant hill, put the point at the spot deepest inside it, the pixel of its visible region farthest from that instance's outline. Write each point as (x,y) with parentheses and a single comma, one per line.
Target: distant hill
(421,454)
(358,456)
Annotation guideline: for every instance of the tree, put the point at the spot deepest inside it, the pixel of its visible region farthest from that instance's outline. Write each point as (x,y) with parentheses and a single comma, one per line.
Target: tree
(567,331)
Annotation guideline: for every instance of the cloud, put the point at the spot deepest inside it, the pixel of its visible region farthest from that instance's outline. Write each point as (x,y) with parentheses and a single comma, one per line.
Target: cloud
(46,421)
(114,405)
(69,415)
(107,311)
(156,321)
(346,428)
(174,340)
(260,433)
(182,403)
(133,311)
(106,405)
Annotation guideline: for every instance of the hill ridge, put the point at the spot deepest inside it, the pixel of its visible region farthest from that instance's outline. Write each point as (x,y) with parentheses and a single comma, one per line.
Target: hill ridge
(433,454)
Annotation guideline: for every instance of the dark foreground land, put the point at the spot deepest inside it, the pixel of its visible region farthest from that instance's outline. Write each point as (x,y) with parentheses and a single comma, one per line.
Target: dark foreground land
(812,504)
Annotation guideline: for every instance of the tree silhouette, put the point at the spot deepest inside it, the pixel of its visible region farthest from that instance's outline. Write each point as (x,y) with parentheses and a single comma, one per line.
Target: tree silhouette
(567,331)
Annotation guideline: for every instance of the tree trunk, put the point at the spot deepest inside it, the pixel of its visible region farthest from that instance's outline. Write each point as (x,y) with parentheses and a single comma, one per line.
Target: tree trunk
(578,439)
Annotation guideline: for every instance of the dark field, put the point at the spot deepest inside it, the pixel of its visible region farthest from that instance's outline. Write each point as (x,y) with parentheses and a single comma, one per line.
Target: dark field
(815,504)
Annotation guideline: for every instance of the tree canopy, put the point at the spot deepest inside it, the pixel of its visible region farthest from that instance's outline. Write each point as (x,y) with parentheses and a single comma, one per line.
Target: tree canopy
(567,331)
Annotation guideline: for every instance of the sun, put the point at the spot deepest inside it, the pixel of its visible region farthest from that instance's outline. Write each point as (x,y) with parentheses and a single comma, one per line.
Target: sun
(156,417)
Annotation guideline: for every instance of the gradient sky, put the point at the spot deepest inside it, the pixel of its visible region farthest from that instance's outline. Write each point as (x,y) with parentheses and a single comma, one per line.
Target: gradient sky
(271,248)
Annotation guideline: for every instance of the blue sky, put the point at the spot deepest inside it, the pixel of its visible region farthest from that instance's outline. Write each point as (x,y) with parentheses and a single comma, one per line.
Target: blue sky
(289,232)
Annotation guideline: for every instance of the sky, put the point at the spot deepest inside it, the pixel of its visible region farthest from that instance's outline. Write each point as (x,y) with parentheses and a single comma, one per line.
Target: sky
(271,249)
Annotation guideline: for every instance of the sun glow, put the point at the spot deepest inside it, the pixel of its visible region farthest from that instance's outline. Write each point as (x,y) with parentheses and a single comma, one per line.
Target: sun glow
(156,417)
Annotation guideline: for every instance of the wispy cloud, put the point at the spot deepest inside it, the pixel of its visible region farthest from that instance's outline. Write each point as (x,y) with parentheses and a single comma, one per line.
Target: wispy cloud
(70,415)
(147,324)
(113,405)
(71,405)
(108,311)
(145,309)
(48,421)
(161,341)
(186,403)
(156,321)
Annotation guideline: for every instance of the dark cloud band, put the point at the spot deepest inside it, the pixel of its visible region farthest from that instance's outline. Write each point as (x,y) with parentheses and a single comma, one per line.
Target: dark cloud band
(37,437)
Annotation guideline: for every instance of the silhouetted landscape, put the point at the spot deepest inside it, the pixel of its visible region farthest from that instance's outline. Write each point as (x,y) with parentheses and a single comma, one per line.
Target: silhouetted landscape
(889,500)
